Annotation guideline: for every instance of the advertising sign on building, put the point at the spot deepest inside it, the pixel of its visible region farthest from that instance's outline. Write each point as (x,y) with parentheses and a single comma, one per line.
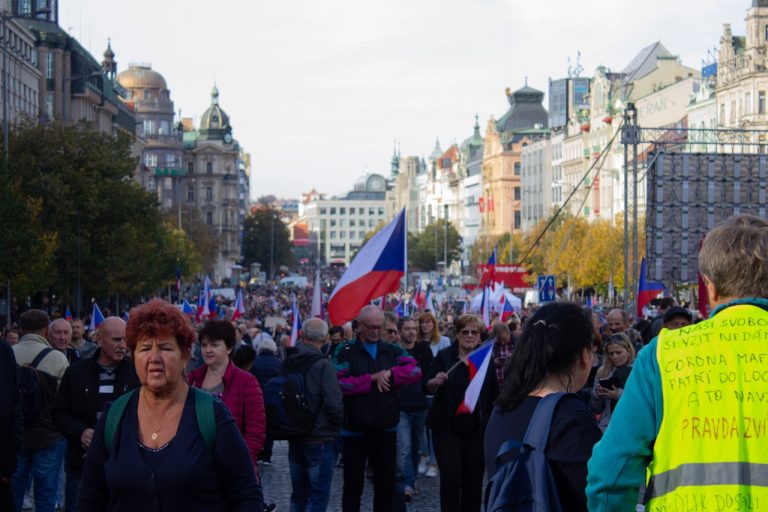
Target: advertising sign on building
(512,275)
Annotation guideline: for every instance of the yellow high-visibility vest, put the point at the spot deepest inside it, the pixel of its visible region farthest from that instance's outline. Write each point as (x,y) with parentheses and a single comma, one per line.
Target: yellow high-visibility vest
(711,453)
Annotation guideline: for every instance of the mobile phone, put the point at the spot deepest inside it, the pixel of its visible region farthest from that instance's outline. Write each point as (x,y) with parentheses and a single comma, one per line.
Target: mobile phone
(607,383)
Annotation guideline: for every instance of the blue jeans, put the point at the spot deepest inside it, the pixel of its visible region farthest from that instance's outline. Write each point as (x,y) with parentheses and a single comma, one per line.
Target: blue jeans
(311,467)
(43,465)
(411,431)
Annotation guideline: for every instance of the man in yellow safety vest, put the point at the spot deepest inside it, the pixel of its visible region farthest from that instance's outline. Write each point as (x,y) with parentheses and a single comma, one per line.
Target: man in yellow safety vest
(692,424)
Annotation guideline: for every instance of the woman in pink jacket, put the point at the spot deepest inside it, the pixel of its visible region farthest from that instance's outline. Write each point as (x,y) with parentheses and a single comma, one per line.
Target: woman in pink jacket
(238,389)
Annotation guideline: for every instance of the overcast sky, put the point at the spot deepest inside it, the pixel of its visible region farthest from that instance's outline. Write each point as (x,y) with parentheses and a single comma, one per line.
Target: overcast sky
(318,90)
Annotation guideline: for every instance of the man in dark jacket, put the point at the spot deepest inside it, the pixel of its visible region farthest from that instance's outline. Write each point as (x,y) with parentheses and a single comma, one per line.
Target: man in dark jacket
(371,373)
(265,366)
(11,424)
(310,480)
(85,390)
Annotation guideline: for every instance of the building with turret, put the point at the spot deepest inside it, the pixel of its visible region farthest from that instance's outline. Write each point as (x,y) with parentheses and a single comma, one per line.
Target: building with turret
(214,184)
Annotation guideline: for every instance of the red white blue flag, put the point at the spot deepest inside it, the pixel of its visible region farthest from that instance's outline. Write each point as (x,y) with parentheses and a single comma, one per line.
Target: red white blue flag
(187,308)
(68,315)
(489,276)
(96,317)
(507,310)
(239,306)
(296,323)
(646,290)
(478,362)
(317,297)
(375,271)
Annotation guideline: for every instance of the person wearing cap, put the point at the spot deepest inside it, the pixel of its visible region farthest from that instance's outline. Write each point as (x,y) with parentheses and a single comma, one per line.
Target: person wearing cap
(42,449)
(677,317)
(690,424)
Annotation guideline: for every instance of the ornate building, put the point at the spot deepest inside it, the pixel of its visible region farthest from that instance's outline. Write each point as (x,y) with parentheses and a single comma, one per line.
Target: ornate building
(214,182)
(524,122)
(148,96)
(742,73)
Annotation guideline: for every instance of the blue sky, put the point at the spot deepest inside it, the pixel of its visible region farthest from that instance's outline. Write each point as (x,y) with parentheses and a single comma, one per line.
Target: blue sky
(318,90)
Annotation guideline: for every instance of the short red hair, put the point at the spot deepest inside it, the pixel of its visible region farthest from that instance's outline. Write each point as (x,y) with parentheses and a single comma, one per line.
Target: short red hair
(158,318)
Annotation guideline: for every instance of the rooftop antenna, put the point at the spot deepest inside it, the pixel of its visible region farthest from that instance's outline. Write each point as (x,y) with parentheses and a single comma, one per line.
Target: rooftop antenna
(579,68)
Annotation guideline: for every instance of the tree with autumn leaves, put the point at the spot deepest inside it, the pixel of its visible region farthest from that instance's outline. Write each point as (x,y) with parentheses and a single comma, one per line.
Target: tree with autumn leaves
(588,255)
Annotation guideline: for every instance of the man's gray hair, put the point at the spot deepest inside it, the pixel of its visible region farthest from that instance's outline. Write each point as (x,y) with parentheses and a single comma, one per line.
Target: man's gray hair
(734,257)
(314,330)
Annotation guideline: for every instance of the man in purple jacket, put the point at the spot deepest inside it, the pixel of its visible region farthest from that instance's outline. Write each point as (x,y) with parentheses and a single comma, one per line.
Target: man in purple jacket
(371,373)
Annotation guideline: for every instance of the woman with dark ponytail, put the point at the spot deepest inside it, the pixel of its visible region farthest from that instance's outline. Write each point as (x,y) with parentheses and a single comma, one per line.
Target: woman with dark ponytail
(553,354)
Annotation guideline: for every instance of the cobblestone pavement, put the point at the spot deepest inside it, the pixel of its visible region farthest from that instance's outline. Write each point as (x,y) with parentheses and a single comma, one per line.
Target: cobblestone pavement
(276,482)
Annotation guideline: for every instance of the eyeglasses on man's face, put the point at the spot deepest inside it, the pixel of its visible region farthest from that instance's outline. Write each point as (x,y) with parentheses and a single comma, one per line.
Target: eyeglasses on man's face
(391,331)
(371,327)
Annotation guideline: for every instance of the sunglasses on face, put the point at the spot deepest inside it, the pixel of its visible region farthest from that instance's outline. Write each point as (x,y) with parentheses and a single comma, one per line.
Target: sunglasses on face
(469,332)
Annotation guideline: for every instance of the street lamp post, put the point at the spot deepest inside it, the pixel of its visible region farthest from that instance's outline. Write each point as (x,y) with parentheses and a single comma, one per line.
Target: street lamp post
(4,18)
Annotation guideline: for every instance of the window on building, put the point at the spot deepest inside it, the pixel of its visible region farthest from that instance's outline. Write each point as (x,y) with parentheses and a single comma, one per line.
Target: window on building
(170,160)
(342,211)
(49,74)
(517,168)
(333,235)
(150,159)
(342,235)
(323,211)
(209,218)
(209,193)
(342,223)
(352,235)
(191,167)
(381,211)
(150,127)
(371,211)
(152,184)
(168,183)
(760,103)
(333,210)
(517,193)
(371,223)
(518,222)
(361,234)
(190,192)
(351,223)
(748,103)
(733,112)
(722,113)
(352,210)
(209,167)
(49,105)
(25,6)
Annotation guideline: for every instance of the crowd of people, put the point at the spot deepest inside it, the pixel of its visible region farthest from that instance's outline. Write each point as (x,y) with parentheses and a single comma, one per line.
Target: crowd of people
(165,409)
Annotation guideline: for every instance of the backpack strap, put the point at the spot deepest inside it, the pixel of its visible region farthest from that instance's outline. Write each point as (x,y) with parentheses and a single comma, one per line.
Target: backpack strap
(206,421)
(114,416)
(40,356)
(537,434)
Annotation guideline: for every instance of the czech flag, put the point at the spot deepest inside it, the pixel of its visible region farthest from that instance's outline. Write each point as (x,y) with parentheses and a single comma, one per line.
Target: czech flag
(96,317)
(375,271)
(478,362)
(646,290)
(296,324)
(68,315)
(490,275)
(187,308)
(507,310)
(239,307)
(178,280)
(317,297)
(429,303)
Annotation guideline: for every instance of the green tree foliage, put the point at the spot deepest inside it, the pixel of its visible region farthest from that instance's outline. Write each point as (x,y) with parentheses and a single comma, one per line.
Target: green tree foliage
(264,232)
(427,248)
(79,202)
(204,242)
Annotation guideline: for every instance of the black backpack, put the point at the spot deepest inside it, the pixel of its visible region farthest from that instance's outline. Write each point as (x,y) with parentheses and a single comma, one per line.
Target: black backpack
(37,387)
(285,401)
(526,483)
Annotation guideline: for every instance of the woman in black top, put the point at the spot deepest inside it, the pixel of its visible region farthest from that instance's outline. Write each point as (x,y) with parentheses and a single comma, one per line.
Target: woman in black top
(553,354)
(458,436)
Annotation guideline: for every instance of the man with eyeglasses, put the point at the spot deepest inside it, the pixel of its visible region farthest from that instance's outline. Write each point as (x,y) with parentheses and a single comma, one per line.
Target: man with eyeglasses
(371,373)
(390,334)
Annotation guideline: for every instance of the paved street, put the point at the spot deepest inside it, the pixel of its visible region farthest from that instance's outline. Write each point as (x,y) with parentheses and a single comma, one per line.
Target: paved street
(276,481)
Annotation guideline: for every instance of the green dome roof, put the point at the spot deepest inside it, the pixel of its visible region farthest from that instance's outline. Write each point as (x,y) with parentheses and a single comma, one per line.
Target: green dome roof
(214,118)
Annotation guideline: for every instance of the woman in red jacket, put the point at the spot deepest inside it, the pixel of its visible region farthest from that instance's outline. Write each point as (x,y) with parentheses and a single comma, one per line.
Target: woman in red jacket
(238,389)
